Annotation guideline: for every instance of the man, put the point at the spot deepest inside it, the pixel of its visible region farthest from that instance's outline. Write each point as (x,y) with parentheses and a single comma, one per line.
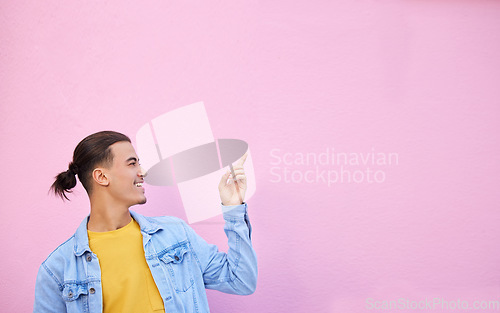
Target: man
(121,261)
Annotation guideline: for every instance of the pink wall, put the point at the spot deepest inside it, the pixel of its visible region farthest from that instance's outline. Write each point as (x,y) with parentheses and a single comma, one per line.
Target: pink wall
(416,78)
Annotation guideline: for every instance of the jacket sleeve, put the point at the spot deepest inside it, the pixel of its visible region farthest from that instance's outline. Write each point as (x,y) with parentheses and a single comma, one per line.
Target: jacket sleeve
(47,292)
(234,272)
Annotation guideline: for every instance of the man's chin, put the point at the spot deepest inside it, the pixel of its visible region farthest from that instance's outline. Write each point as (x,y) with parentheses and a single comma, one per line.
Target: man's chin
(139,201)
(142,201)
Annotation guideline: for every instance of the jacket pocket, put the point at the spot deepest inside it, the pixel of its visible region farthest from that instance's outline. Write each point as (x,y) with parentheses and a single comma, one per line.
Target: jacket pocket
(178,262)
(73,291)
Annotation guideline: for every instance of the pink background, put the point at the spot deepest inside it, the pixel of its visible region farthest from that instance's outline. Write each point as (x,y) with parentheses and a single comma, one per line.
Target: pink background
(417,78)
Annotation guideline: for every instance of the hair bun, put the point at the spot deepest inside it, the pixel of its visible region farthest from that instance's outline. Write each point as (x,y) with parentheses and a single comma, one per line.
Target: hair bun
(73,169)
(64,182)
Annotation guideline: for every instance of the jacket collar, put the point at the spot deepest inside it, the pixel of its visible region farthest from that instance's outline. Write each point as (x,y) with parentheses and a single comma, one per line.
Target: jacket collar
(147,225)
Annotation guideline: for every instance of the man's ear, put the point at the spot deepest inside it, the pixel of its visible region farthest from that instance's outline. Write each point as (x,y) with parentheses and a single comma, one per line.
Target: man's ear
(100,177)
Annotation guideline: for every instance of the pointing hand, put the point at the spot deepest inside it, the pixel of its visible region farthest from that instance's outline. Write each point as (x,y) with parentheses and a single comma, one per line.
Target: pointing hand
(231,190)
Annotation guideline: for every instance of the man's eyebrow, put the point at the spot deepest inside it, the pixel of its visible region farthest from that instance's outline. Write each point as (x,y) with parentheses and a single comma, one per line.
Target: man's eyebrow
(132,159)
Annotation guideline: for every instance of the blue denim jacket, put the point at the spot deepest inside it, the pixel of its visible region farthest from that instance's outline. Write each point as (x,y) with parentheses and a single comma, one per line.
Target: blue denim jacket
(182,264)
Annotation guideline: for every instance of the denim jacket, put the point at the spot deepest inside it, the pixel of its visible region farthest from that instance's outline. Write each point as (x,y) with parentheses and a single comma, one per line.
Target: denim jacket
(182,264)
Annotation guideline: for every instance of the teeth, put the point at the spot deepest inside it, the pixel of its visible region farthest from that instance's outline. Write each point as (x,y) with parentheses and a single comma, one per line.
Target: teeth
(138,185)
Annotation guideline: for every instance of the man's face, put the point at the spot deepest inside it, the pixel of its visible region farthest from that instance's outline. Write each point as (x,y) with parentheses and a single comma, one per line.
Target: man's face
(125,175)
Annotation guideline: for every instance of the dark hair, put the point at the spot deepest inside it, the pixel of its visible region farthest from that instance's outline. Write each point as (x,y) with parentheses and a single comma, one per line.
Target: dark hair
(94,150)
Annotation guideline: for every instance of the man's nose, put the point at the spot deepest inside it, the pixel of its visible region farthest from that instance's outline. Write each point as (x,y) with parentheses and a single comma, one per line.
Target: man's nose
(143,173)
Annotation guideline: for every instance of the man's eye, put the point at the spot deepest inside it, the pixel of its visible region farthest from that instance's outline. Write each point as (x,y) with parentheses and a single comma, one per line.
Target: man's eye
(133,163)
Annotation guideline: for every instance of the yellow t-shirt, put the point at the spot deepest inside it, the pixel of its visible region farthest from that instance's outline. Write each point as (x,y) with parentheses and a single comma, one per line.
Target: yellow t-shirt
(127,283)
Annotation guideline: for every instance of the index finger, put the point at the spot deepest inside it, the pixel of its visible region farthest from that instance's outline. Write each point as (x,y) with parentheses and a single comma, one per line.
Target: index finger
(242,159)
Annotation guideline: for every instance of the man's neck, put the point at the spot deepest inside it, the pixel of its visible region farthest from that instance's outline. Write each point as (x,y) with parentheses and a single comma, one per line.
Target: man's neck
(107,216)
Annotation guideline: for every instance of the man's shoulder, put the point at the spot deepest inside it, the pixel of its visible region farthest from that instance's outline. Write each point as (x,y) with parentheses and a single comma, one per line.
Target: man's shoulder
(161,221)
(172,225)
(59,258)
(166,219)
(64,249)
(165,231)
